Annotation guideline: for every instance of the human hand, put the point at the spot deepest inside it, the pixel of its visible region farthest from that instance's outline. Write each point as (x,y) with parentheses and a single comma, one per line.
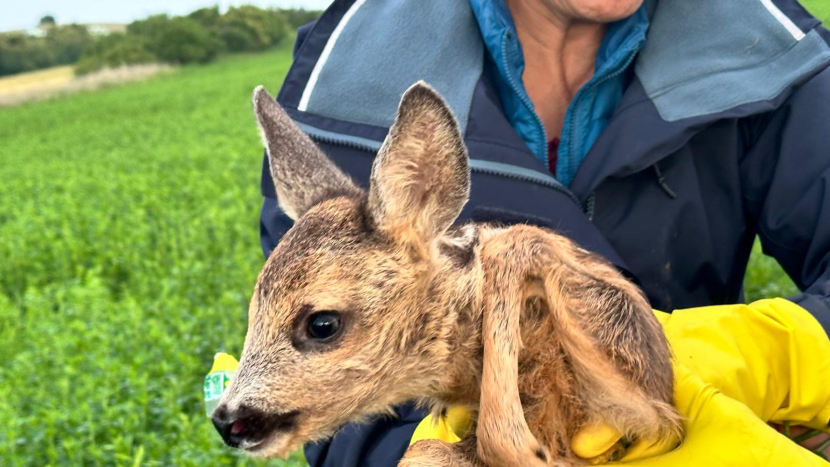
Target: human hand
(737,368)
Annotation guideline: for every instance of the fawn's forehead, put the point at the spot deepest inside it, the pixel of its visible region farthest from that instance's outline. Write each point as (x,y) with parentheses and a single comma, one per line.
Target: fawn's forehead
(334,229)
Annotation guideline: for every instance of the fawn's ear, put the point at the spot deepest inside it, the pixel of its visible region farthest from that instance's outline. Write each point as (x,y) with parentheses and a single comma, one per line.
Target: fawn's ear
(421,178)
(302,174)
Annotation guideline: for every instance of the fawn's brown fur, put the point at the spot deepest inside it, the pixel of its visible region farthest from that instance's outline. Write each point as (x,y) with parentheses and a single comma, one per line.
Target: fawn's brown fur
(537,336)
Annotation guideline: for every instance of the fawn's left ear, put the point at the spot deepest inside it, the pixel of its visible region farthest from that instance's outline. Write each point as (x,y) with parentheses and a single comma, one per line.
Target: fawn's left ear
(421,177)
(303,176)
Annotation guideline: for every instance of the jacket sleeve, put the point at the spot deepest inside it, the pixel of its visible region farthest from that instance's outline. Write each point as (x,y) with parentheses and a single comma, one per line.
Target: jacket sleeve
(379,443)
(302,34)
(786,185)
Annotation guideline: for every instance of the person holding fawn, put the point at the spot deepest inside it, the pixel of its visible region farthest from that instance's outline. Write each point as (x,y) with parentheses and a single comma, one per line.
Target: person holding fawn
(663,136)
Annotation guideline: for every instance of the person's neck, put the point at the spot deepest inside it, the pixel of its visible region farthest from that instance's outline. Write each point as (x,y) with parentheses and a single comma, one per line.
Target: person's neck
(560,55)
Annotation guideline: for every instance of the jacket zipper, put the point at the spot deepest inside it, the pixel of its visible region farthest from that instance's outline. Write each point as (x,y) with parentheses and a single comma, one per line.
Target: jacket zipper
(620,70)
(590,206)
(489,171)
(342,142)
(524,98)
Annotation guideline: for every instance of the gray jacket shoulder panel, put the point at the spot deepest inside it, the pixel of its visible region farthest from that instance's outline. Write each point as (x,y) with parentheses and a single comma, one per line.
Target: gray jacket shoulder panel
(380,48)
(703,57)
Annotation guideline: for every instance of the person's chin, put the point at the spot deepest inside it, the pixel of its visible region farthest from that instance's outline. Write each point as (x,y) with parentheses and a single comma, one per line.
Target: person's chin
(603,11)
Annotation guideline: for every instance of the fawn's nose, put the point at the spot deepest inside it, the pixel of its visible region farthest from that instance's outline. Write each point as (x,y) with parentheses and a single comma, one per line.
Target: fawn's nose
(245,427)
(238,427)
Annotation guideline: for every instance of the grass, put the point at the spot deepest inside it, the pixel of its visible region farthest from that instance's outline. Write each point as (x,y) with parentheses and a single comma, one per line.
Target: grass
(819,8)
(765,278)
(129,246)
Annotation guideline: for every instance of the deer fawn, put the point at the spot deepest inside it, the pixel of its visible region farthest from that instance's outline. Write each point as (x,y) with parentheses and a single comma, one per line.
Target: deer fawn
(372,299)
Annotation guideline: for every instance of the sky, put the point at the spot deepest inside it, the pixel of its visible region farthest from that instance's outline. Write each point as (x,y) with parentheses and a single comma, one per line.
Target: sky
(25,14)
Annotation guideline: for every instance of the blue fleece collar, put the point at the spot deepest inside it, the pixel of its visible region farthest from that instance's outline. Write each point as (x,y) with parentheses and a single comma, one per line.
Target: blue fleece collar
(594,103)
(591,109)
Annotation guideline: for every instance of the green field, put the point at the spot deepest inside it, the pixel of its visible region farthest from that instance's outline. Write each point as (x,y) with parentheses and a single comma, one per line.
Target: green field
(128,249)
(129,245)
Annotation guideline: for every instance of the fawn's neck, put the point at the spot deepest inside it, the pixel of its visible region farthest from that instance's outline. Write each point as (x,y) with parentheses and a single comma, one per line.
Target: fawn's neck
(459,309)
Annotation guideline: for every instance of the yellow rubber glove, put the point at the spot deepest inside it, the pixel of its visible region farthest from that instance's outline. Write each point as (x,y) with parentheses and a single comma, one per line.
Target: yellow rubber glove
(722,432)
(450,428)
(737,367)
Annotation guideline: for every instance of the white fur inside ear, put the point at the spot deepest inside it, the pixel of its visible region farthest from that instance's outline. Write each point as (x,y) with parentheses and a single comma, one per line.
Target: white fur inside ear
(287,208)
(420,179)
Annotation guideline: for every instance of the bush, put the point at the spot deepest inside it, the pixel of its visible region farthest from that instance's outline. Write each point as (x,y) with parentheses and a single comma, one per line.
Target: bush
(63,44)
(179,39)
(68,42)
(113,51)
(249,28)
(297,17)
(208,17)
(20,52)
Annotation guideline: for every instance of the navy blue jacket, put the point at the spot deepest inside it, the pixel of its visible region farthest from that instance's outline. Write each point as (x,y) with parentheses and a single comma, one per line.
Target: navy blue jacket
(720,133)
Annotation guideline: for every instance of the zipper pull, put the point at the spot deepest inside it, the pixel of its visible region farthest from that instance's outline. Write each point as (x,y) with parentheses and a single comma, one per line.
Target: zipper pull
(661,180)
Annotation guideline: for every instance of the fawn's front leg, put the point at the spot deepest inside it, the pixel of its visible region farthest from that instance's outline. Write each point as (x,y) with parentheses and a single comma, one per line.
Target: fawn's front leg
(603,324)
(504,438)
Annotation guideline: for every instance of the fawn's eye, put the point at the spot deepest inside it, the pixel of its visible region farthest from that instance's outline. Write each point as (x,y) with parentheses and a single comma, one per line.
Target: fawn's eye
(323,325)
(319,330)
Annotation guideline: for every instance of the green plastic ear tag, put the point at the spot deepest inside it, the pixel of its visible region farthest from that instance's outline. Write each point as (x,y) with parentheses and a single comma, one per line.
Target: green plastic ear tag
(217,380)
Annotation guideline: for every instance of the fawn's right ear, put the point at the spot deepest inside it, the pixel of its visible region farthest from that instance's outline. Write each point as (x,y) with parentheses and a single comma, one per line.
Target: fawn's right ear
(303,176)
(421,177)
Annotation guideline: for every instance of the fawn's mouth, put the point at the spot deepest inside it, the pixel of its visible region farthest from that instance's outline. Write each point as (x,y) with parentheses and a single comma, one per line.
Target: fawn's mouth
(277,444)
(253,447)
(254,431)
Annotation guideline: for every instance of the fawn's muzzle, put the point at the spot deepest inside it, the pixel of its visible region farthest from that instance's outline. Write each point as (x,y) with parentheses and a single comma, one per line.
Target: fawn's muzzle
(247,428)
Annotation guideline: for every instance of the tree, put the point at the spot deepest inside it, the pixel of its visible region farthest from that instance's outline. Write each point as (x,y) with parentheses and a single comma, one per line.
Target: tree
(68,42)
(208,17)
(47,20)
(113,51)
(20,52)
(176,40)
(247,28)
(297,17)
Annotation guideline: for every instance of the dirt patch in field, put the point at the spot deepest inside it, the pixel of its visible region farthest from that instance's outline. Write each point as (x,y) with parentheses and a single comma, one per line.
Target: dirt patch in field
(59,81)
